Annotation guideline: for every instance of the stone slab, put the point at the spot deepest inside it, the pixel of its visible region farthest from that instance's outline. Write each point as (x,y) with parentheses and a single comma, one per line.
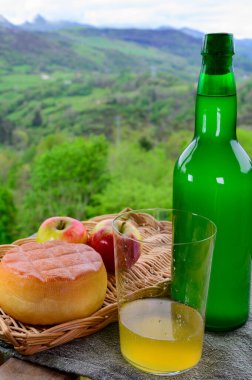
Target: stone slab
(226,356)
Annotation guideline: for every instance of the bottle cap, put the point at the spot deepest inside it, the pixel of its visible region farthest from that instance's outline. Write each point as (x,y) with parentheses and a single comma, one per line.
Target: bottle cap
(218,44)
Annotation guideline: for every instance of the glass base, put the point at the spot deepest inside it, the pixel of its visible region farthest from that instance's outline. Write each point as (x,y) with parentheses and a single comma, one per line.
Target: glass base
(158,373)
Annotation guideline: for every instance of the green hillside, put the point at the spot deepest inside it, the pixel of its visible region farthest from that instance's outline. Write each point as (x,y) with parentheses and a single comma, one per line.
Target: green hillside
(107,50)
(91,120)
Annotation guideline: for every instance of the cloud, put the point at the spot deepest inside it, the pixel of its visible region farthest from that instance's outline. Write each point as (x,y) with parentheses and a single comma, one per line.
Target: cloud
(207,15)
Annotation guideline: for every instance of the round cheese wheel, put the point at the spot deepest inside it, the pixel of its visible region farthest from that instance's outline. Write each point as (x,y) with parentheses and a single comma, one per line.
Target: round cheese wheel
(52,282)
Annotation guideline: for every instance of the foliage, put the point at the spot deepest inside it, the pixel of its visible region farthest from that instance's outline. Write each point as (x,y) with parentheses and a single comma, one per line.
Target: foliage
(7,216)
(64,181)
(245,139)
(177,142)
(140,179)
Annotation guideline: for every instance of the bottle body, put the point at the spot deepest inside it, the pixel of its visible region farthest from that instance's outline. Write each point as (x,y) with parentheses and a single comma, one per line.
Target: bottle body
(213,177)
(214,185)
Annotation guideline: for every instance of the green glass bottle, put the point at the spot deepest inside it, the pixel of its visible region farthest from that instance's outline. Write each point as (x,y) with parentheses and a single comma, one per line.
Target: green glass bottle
(213,177)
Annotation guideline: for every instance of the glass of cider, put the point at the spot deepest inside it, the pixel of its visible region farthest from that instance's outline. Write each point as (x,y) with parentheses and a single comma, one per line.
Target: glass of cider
(162,266)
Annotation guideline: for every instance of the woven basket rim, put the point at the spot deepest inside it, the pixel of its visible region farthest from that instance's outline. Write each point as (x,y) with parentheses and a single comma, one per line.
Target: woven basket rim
(28,339)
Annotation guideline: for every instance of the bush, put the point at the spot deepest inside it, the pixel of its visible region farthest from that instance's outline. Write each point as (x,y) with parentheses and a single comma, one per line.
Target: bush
(64,181)
(7,217)
(139,179)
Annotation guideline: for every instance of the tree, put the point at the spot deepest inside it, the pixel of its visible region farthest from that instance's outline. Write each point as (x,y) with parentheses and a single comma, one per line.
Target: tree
(37,119)
(139,179)
(6,131)
(7,217)
(64,181)
(145,143)
(177,142)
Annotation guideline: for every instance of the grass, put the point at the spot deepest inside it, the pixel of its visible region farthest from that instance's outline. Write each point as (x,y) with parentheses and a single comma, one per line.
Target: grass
(19,82)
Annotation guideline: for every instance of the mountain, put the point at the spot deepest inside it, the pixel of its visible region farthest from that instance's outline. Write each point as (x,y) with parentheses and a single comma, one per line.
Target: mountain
(40,24)
(171,40)
(4,23)
(94,49)
(192,32)
(42,45)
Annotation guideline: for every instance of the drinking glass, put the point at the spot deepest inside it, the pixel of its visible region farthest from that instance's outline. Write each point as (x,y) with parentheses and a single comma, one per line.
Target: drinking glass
(162,267)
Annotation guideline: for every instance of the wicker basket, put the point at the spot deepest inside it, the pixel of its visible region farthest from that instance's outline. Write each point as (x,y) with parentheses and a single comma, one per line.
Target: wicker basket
(29,339)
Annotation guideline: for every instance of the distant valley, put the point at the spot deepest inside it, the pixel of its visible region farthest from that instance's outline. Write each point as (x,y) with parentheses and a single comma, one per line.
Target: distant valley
(93,119)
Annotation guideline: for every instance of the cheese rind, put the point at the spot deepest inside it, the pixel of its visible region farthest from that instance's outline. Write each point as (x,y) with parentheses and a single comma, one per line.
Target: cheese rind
(52,282)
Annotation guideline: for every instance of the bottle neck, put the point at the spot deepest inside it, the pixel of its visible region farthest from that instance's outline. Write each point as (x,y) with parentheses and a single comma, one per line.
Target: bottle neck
(216,104)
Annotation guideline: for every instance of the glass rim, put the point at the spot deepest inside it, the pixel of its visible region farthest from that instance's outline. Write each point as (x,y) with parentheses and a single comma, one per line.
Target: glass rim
(145,210)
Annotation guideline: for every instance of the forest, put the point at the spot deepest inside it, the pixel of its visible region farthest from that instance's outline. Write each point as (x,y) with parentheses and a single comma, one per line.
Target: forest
(92,121)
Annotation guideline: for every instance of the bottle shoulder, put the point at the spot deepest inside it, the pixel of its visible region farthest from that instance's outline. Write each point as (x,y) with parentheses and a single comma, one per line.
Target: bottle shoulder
(241,156)
(187,154)
(204,156)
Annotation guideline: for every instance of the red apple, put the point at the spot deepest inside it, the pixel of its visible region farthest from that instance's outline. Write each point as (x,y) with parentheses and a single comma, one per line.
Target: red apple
(128,245)
(101,239)
(62,228)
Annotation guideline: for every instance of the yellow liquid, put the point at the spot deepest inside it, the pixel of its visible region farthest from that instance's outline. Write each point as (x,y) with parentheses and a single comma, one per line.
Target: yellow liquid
(160,336)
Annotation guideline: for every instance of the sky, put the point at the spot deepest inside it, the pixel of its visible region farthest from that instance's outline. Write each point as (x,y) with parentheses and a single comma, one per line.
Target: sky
(208,16)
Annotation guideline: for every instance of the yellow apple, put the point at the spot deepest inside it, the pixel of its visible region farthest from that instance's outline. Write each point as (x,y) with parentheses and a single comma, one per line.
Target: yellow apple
(62,228)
